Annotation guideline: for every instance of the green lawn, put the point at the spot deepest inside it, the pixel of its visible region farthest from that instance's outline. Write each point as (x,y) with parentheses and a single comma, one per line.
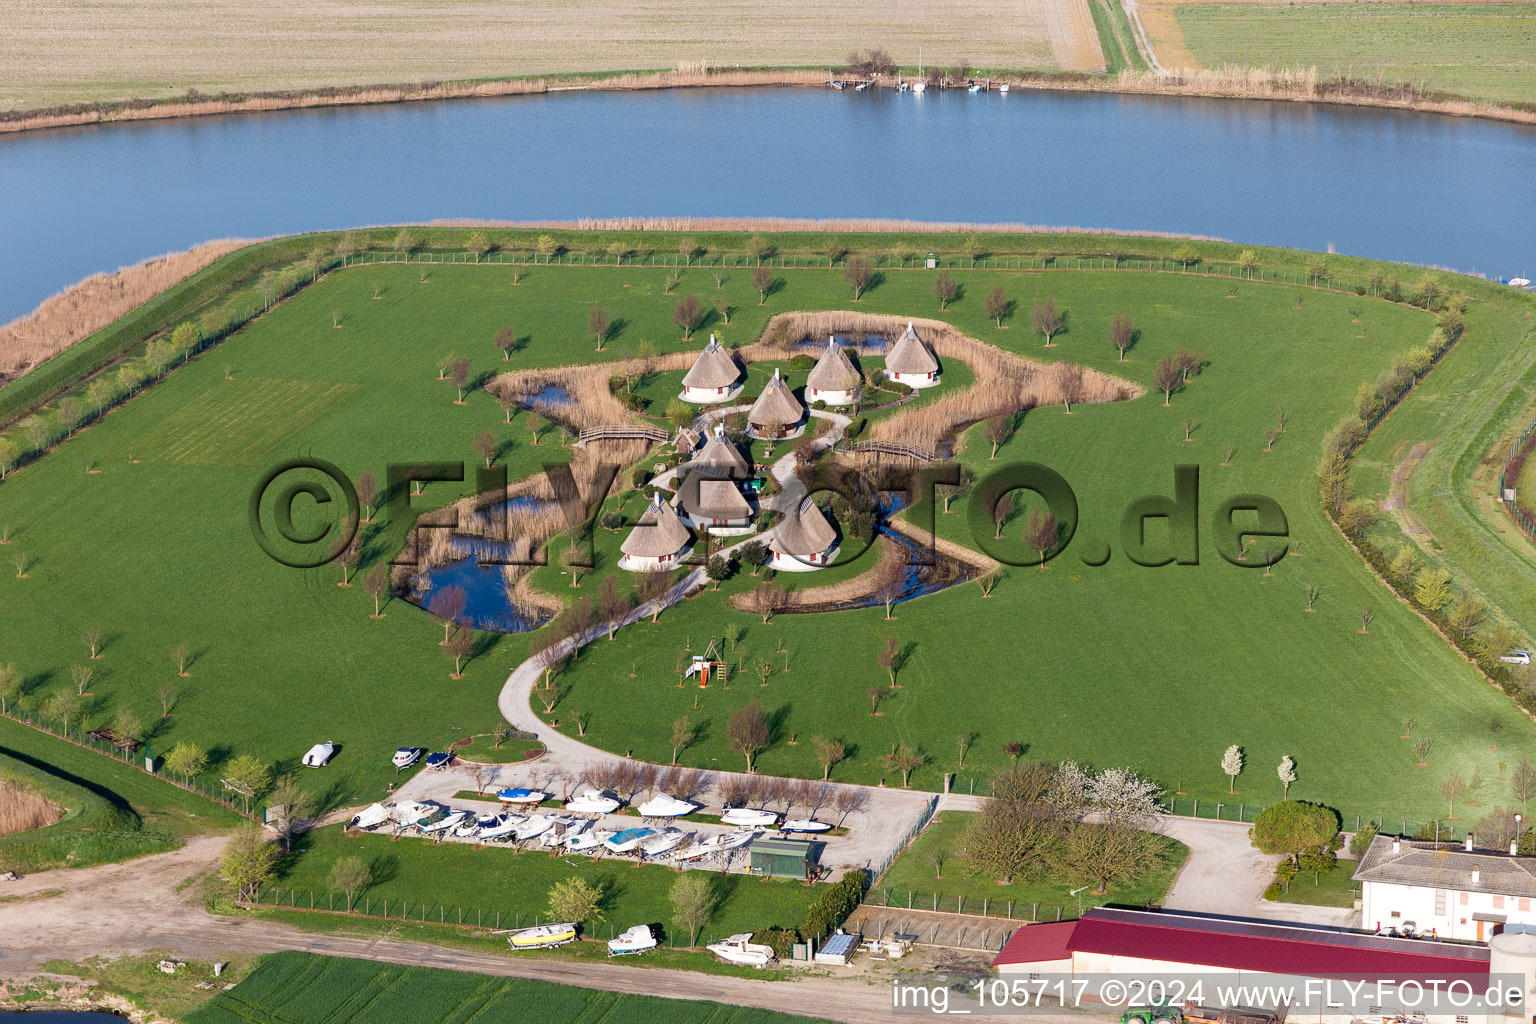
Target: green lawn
(913,879)
(1157,668)
(1331,889)
(1487,51)
(516,885)
(298,988)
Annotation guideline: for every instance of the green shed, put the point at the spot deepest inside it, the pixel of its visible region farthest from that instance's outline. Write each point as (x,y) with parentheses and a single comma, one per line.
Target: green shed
(783,858)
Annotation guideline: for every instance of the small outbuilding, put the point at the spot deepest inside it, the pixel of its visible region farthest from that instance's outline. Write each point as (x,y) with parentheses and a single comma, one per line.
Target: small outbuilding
(715,505)
(714,376)
(660,540)
(911,362)
(839,948)
(783,858)
(804,541)
(777,413)
(833,379)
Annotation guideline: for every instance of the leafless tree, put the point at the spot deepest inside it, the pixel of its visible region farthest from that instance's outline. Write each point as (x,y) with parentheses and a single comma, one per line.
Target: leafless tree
(166,695)
(460,646)
(458,376)
(485,446)
(683,734)
(828,753)
(82,676)
(92,639)
(858,274)
(1041,532)
(181,655)
(848,800)
(762,280)
(447,605)
(1122,334)
(748,732)
(506,342)
(945,289)
(733,790)
(891,658)
(997,305)
(1048,320)
(598,325)
(997,430)
(1167,378)
(687,314)
(1068,380)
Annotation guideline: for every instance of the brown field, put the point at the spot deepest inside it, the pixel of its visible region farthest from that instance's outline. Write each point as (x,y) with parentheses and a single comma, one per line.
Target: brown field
(73,51)
(22,810)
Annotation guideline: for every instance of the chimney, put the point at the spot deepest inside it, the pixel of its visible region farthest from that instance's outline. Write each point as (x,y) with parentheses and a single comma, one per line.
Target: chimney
(1397,844)
(1468,844)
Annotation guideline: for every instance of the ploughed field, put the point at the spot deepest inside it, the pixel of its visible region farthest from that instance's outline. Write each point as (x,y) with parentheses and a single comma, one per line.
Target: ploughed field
(1159,669)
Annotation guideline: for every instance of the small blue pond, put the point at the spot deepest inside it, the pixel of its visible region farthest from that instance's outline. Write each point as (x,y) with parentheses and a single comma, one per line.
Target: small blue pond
(486,603)
(551,396)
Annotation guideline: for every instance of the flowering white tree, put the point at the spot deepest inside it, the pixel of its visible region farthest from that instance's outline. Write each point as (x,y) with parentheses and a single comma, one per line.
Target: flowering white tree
(1287,773)
(1232,764)
(1070,785)
(1121,796)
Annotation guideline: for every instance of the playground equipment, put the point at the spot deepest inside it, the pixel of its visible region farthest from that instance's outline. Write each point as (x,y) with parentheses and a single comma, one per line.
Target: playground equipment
(705,665)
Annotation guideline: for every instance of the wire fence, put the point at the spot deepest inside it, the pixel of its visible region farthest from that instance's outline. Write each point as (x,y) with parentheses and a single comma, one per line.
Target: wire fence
(1519,452)
(131,757)
(969,906)
(907,839)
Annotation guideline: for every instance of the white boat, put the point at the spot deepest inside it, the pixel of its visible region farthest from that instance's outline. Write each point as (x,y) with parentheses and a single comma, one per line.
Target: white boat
(633,940)
(1003,88)
(627,840)
(446,823)
(919,86)
(903,87)
(534,826)
(1520,282)
(319,754)
(805,825)
(740,949)
(592,801)
(508,826)
(370,818)
(861,87)
(585,842)
(720,842)
(747,816)
(663,841)
(559,825)
(522,796)
(542,936)
(663,806)
(973,87)
(405,757)
(476,826)
(409,812)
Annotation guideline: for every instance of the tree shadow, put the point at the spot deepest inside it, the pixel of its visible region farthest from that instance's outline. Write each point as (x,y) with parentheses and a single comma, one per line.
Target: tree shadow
(777,720)
(876,279)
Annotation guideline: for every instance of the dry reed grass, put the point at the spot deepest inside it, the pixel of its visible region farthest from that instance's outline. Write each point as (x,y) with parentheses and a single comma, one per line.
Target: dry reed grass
(1003,383)
(871,225)
(84,308)
(22,810)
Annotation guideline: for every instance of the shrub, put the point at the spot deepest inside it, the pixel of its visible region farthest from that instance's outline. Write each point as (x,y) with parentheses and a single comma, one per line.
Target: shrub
(1361,840)
(639,476)
(780,939)
(836,903)
(1273,891)
(856,427)
(801,361)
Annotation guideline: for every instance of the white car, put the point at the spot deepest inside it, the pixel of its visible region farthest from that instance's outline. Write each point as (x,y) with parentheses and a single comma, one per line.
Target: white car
(319,754)
(1516,658)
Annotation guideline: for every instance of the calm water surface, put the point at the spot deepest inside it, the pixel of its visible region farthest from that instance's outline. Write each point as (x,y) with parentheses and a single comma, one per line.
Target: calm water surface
(1420,188)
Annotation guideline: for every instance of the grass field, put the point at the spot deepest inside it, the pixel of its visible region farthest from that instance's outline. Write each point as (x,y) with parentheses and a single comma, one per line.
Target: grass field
(1334,888)
(77,51)
(913,877)
(496,879)
(284,658)
(1485,51)
(303,989)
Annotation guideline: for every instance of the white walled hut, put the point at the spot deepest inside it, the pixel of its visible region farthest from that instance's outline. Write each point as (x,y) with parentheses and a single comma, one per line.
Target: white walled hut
(804,541)
(722,458)
(660,540)
(777,413)
(713,378)
(911,362)
(715,505)
(833,379)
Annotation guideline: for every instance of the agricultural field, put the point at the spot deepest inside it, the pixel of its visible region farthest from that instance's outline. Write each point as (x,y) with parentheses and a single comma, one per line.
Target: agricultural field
(1483,51)
(1165,669)
(299,988)
(80,52)
(496,880)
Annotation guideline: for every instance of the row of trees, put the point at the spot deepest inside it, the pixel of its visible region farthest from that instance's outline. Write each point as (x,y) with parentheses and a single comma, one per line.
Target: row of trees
(1234,761)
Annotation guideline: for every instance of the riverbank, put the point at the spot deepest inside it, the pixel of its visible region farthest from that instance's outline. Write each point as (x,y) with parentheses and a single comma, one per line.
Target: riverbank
(1301,86)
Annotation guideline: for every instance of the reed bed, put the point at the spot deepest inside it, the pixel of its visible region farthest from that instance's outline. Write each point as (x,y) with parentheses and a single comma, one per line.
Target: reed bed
(22,810)
(881,225)
(86,307)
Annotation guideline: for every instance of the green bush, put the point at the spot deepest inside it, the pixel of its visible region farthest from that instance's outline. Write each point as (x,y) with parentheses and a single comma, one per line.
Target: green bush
(1361,840)
(1273,891)
(780,939)
(836,903)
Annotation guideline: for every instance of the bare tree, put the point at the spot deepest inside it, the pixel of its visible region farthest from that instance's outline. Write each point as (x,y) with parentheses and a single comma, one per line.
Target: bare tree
(167,696)
(458,376)
(1068,381)
(891,659)
(486,446)
(82,676)
(848,800)
(506,342)
(1041,532)
(447,605)
(1122,335)
(682,735)
(181,655)
(367,488)
(748,732)
(875,694)
(461,645)
(1047,319)
(762,280)
(997,305)
(688,313)
(1167,378)
(376,583)
(92,638)
(598,325)
(829,752)
(945,289)
(997,430)
(1452,787)
(1522,784)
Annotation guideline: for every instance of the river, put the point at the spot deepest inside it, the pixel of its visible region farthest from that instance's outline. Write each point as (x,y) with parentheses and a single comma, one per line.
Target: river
(1390,184)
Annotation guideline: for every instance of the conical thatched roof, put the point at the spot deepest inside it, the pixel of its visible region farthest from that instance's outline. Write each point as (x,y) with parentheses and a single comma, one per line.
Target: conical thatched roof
(722,457)
(805,533)
(658,533)
(833,371)
(707,498)
(777,405)
(910,355)
(713,369)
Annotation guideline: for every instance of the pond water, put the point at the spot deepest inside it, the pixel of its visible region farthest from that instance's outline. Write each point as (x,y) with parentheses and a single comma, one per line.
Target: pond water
(1391,184)
(486,603)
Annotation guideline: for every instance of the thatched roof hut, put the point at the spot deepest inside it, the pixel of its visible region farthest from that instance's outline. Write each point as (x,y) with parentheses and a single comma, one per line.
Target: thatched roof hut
(712,502)
(911,362)
(713,376)
(721,457)
(657,539)
(833,379)
(805,539)
(777,412)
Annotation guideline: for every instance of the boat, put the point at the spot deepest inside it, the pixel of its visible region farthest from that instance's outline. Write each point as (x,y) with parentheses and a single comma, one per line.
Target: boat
(441,759)
(663,806)
(473,826)
(593,801)
(740,949)
(1003,88)
(633,940)
(405,757)
(1519,282)
(370,818)
(560,827)
(720,842)
(543,936)
(534,826)
(805,825)
(446,823)
(973,87)
(627,840)
(837,85)
(319,755)
(663,841)
(919,86)
(585,842)
(747,816)
(503,831)
(861,87)
(903,87)
(522,796)
(408,812)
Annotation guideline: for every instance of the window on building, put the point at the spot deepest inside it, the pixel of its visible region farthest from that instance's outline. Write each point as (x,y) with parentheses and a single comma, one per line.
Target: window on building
(1463,900)
(1439,902)
(1396,914)
(1525,904)
(1498,901)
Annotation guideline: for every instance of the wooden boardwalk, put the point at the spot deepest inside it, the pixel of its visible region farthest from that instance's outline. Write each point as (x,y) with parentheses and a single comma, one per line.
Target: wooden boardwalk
(623,432)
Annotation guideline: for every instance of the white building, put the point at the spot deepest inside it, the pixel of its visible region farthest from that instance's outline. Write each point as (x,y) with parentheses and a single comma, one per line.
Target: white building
(660,540)
(833,380)
(714,376)
(1450,892)
(911,362)
(804,541)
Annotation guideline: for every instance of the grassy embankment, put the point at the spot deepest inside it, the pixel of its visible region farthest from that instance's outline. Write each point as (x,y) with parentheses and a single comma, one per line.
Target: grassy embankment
(266,637)
(306,989)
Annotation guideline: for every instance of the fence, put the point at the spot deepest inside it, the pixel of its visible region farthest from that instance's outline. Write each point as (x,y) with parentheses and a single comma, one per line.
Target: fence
(1218,810)
(78,735)
(906,840)
(970,906)
(1519,452)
